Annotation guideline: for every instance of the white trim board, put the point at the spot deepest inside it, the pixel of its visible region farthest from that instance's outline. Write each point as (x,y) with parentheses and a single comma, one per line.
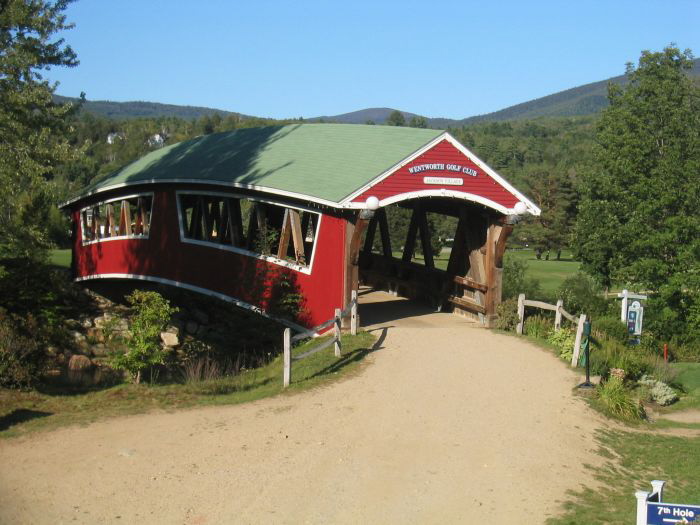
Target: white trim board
(193,288)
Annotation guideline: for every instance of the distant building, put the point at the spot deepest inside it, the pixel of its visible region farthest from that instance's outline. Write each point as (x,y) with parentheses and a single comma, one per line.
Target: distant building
(113,137)
(157,140)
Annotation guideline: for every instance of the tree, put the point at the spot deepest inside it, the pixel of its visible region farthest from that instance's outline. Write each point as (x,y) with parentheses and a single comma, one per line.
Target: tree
(33,129)
(639,215)
(418,122)
(150,315)
(396,118)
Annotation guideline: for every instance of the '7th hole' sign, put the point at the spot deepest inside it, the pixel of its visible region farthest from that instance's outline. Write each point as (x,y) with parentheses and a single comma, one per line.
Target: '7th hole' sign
(667,513)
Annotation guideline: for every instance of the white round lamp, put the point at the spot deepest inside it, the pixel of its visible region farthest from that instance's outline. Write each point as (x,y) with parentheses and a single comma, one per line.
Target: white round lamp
(372,203)
(520,208)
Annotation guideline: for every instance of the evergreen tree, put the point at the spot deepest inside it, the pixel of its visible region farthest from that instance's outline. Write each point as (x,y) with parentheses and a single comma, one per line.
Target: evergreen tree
(33,129)
(396,118)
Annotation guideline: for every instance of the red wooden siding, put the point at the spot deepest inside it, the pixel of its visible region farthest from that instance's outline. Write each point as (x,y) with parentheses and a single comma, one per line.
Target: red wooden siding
(403,181)
(243,277)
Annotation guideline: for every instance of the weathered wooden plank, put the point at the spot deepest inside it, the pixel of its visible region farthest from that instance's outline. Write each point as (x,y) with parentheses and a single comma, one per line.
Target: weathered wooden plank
(521,314)
(287,372)
(570,317)
(297,237)
(285,235)
(425,238)
(336,332)
(557,317)
(540,304)
(467,303)
(470,283)
(125,219)
(409,247)
(354,318)
(577,343)
(321,346)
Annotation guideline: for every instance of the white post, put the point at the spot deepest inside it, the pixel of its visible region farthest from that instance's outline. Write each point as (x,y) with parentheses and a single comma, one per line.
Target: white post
(336,332)
(287,374)
(577,343)
(557,316)
(521,313)
(623,314)
(658,488)
(354,321)
(641,496)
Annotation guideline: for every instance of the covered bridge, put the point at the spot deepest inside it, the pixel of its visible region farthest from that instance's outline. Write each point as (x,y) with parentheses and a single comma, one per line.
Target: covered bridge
(289,220)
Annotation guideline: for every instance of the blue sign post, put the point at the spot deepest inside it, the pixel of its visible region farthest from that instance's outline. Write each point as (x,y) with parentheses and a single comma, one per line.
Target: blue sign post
(652,511)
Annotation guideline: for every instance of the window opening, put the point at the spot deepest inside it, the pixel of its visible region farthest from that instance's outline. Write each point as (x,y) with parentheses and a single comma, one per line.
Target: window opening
(272,230)
(119,218)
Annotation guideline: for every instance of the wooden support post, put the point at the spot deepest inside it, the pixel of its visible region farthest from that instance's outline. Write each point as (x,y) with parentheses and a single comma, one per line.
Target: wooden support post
(110,227)
(297,237)
(384,233)
(425,238)
(354,320)
(287,373)
(492,233)
(143,213)
(285,235)
(459,245)
(352,255)
(577,343)
(216,222)
(371,232)
(336,332)
(206,219)
(410,245)
(125,219)
(521,314)
(557,315)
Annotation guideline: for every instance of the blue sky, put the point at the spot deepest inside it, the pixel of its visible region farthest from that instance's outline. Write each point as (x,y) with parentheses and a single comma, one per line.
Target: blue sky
(310,58)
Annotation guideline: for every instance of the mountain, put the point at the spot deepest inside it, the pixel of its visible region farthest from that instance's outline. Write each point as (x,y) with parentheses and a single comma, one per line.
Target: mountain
(135,109)
(376,115)
(582,100)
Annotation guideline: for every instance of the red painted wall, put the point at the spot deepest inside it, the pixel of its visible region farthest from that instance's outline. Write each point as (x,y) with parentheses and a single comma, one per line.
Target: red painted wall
(403,181)
(236,275)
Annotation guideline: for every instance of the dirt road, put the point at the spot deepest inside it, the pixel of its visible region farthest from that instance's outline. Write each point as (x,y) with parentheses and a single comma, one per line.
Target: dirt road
(447,423)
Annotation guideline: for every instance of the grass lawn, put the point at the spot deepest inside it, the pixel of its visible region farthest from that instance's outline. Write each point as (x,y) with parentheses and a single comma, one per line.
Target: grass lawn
(550,273)
(60,258)
(689,380)
(641,457)
(22,412)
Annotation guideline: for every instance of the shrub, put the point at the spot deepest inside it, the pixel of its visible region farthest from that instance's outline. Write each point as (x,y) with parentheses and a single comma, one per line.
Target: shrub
(515,282)
(610,328)
(22,358)
(612,354)
(563,340)
(151,313)
(580,293)
(686,352)
(538,326)
(659,391)
(508,315)
(617,400)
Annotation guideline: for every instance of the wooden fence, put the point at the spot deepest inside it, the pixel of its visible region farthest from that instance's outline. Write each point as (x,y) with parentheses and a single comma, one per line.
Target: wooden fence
(559,313)
(335,321)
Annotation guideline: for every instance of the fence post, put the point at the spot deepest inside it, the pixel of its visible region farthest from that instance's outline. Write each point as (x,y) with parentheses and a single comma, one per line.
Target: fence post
(354,321)
(336,332)
(577,343)
(287,374)
(521,313)
(642,497)
(557,316)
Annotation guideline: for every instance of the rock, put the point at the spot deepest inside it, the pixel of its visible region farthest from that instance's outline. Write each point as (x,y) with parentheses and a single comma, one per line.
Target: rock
(96,334)
(78,337)
(191,327)
(171,329)
(169,338)
(86,323)
(99,350)
(101,320)
(79,362)
(200,316)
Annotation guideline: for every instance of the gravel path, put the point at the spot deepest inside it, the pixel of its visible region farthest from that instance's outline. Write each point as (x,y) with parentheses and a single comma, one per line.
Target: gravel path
(446,423)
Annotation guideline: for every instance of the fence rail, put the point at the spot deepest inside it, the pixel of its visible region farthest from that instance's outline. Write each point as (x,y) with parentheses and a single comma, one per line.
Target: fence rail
(559,313)
(334,321)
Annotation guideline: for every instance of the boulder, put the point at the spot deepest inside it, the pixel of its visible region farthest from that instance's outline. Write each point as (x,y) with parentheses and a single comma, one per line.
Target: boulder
(169,338)
(200,316)
(99,350)
(191,327)
(79,362)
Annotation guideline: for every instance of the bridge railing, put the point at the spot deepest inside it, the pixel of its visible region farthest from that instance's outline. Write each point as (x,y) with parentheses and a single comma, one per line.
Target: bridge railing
(334,321)
(559,312)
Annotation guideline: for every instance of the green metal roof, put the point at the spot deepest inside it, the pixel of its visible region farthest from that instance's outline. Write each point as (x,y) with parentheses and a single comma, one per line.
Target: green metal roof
(322,161)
